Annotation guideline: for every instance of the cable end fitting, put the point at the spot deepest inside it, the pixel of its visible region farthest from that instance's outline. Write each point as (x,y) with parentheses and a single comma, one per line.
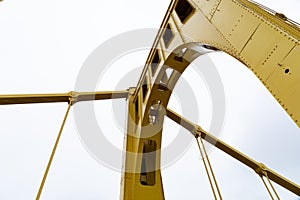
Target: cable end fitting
(261,170)
(198,132)
(73,97)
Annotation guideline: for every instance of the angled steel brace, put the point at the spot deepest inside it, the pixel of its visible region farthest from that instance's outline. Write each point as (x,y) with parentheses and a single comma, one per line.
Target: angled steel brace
(259,168)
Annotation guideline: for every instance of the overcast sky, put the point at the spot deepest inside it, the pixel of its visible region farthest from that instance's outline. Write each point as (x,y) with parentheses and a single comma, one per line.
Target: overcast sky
(43,45)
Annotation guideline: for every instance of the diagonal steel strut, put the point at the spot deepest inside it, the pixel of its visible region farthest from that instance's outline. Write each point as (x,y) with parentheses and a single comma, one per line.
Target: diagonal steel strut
(259,168)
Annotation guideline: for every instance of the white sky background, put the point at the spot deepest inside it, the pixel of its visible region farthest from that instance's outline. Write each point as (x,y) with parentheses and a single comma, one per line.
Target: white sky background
(42,47)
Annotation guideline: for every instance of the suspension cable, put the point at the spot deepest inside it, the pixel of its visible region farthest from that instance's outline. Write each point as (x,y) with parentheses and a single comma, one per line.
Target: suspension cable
(208,169)
(53,152)
(268,184)
(268,189)
(197,131)
(212,172)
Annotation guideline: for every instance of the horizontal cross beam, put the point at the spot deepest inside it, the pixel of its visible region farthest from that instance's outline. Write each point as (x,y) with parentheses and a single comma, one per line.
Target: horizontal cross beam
(61,97)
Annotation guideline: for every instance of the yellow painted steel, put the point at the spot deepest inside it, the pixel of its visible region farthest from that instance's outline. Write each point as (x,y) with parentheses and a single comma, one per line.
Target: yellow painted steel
(60,97)
(39,193)
(265,41)
(132,188)
(259,168)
